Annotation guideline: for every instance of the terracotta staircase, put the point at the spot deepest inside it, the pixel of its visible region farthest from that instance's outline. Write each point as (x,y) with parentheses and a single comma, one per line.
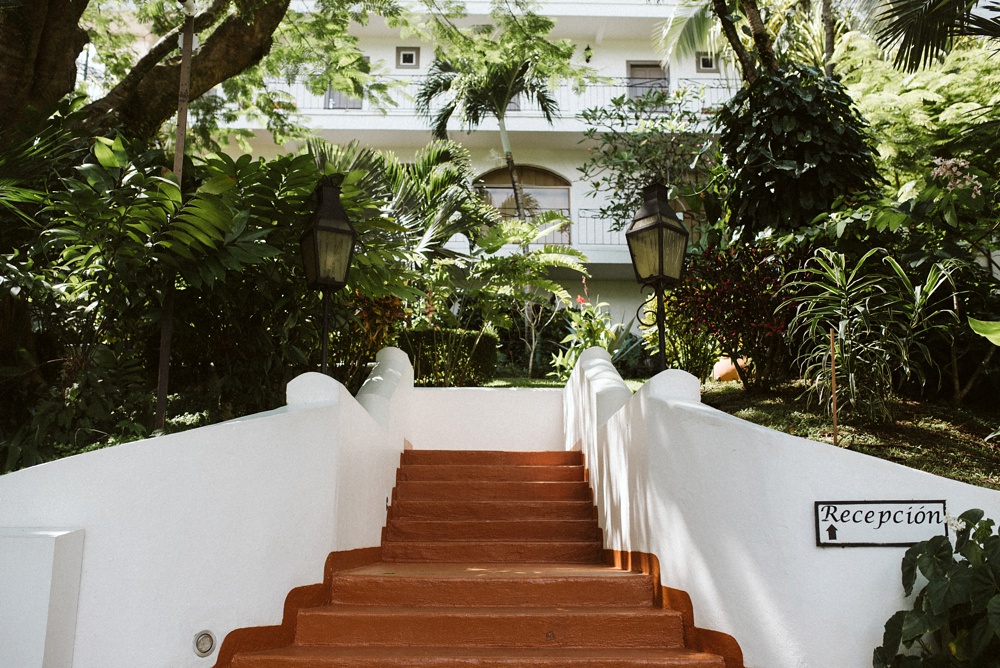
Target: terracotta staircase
(489,559)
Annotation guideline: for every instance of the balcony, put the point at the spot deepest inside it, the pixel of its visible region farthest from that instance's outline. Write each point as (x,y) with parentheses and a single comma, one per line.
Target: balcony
(402,92)
(587,230)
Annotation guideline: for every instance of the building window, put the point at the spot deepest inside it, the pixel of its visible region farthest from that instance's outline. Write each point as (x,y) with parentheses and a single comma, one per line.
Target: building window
(644,77)
(706,62)
(407,57)
(543,191)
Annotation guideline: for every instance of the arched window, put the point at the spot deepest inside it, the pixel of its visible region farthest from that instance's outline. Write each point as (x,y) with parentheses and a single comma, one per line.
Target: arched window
(543,190)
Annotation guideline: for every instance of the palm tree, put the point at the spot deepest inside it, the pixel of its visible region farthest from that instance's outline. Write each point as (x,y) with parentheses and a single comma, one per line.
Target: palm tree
(925,29)
(481,90)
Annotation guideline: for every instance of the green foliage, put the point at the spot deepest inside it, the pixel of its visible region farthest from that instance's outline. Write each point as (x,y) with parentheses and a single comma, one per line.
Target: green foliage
(921,31)
(450,357)
(314,46)
(81,289)
(687,346)
(883,323)
(517,34)
(656,137)
(591,326)
(925,115)
(478,71)
(990,330)
(731,296)
(83,292)
(794,145)
(955,619)
(367,325)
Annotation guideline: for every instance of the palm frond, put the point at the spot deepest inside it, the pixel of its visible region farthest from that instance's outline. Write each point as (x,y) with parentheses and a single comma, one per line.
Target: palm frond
(690,29)
(981,25)
(922,30)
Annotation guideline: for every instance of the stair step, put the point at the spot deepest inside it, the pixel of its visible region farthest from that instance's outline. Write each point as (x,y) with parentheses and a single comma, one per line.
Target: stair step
(360,625)
(448,657)
(487,490)
(575,552)
(502,530)
(526,585)
(492,510)
(494,457)
(568,473)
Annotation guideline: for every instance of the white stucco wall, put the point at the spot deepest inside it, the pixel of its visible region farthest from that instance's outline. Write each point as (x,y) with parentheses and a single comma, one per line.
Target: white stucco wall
(208,529)
(727,506)
(40,581)
(482,418)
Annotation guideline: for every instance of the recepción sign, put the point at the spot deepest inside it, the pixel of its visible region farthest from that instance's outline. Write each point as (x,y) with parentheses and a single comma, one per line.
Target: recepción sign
(878,523)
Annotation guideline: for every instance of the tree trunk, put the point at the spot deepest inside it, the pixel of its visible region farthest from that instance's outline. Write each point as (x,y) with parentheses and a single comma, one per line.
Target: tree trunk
(39,44)
(747,65)
(509,157)
(41,40)
(741,371)
(163,365)
(143,103)
(761,38)
(964,391)
(829,31)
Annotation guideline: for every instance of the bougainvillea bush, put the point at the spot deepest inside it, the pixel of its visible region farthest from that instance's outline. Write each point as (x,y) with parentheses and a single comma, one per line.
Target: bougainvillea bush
(732,294)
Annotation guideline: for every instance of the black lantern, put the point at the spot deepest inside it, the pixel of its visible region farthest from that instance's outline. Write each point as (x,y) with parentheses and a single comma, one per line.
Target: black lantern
(657,243)
(327,249)
(328,244)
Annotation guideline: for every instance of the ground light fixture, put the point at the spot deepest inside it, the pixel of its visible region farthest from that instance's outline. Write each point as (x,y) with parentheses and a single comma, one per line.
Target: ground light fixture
(204,643)
(657,243)
(327,249)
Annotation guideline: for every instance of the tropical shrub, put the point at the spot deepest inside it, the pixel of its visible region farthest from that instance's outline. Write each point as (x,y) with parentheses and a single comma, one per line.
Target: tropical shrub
(450,357)
(955,619)
(794,145)
(591,326)
(657,137)
(731,295)
(990,331)
(882,323)
(687,347)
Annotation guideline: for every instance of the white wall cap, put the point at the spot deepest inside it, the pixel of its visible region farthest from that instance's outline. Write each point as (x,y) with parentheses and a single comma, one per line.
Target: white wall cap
(392,373)
(606,383)
(675,384)
(312,388)
(35,531)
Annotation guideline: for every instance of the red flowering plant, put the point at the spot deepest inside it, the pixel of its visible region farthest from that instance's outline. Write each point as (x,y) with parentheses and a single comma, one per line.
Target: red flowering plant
(732,294)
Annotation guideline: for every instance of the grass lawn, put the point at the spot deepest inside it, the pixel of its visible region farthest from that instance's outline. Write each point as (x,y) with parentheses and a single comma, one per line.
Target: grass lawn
(935,437)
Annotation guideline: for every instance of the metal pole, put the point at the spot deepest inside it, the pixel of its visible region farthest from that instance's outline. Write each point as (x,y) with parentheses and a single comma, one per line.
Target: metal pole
(182,98)
(660,316)
(167,313)
(833,384)
(326,328)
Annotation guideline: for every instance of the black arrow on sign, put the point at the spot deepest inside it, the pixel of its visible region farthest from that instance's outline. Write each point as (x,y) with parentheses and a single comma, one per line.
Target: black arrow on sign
(831,531)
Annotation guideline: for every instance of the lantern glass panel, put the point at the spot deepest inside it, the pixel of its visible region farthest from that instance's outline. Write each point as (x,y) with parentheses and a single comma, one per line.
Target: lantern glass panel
(645,247)
(334,254)
(674,245)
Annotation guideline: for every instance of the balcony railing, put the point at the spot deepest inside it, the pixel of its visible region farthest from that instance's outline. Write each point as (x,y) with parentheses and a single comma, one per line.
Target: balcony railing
(587,229)
(403,89)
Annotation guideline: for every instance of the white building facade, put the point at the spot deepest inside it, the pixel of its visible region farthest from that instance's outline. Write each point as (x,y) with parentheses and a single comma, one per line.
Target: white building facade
(617,39)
